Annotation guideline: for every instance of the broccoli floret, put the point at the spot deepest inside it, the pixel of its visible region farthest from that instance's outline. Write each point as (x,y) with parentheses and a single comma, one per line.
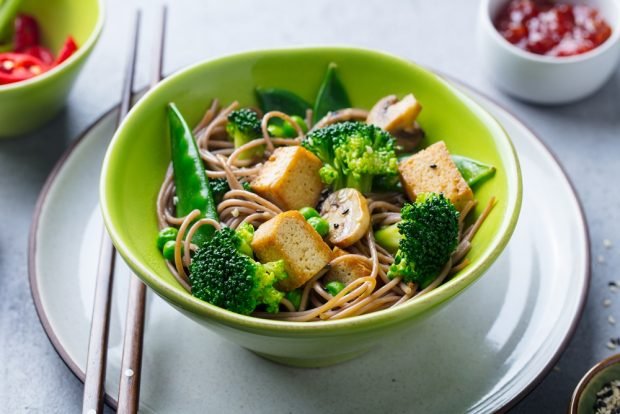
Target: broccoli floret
(223,274)
(244,126)
(219,187)
(353,153)
(427,237)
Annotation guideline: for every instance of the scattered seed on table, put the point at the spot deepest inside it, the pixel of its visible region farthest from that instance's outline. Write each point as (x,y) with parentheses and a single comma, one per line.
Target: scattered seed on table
(611,320)
(611,345)
(600,258)
(557,368)
(607,243)
(607,303)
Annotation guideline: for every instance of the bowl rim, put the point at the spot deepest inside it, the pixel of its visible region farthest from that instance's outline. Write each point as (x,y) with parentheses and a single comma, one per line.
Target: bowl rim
(487,21)
(84,50)
(406,311)
(588,377)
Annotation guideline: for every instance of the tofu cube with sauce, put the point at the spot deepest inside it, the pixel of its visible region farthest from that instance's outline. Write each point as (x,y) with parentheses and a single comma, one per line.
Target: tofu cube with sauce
(432,170)
(289,237)
(290,178)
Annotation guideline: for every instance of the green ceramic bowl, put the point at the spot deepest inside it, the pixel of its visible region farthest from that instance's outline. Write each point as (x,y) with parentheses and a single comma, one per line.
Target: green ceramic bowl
(25,106)
(139,154)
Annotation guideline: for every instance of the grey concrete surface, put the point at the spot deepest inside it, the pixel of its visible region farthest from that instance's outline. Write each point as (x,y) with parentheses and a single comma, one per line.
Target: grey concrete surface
(441,34)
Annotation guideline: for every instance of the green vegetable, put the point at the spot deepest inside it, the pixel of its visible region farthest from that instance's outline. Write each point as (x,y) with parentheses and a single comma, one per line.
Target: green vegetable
(275,130)
(429,230)
(223,275)
(320,225)
(245,231)
(334,287)
(309,212)
(289,130)
(286,129)
(273,99)
(294,296)
(168,250)
(219,187)
(165,235)
(332,95)
(244,126)
(191,182)
(473,171)
(389,238)
(353,154)
(8,12)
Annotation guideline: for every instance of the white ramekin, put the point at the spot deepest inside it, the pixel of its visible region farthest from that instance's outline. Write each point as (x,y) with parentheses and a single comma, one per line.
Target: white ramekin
(547,79)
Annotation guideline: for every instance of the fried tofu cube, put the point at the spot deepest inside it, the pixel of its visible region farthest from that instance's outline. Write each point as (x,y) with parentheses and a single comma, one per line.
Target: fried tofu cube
(290,178)
(432,170)
(289,237)
(347,269)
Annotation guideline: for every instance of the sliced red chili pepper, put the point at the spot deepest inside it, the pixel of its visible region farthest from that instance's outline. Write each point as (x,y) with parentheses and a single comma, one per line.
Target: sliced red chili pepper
(67,50)
(26,32)
(16,67)
(40,52)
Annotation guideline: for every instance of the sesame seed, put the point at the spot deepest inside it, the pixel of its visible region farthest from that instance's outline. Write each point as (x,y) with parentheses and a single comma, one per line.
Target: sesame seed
(611,320)
(129,372)
(611,345)
(433,166)
(613,288)
(607,303)
(557,368)
(607,243)
(235,212)
(600,258)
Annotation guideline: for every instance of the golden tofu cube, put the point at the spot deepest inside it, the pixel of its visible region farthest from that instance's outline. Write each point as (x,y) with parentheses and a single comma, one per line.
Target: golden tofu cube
(289,237)
(433,171)
(290,178)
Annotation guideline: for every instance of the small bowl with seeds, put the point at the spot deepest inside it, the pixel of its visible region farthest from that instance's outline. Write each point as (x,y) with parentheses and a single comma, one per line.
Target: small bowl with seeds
(598,392)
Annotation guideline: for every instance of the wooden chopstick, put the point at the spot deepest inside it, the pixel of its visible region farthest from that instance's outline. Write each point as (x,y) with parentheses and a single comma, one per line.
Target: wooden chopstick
(131,365)
(100,322)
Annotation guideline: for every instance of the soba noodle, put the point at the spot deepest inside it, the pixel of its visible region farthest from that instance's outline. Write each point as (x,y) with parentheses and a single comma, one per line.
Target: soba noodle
(370,293)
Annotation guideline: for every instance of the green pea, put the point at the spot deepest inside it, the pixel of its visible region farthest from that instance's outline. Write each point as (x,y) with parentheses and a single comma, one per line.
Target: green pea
(168,250)
(334,287)
(290,131)
(165,235)
(294,296)
(300,121)
(309,212)
(276,131)
(320,225)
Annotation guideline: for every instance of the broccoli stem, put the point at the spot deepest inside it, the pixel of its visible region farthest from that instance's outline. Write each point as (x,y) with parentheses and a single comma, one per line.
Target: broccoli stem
(389,238)
(362,183)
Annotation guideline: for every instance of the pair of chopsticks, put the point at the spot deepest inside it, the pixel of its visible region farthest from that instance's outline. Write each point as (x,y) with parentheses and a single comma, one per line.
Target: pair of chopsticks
(131,365)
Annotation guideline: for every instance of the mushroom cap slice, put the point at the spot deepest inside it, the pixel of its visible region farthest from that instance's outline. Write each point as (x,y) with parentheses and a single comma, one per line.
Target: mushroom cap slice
(346,211)
(393,115)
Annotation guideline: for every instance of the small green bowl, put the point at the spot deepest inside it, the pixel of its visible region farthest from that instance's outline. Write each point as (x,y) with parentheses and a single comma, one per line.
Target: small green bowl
(25,106)
(584,397)
(139,154)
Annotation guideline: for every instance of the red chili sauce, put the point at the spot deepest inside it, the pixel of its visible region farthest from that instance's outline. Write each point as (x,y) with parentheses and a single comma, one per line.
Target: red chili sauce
(550,28)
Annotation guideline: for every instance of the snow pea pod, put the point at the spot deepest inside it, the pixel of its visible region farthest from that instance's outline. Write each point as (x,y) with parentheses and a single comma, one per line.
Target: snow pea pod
(332,95)
(274,99)
(191,182)
(473,171)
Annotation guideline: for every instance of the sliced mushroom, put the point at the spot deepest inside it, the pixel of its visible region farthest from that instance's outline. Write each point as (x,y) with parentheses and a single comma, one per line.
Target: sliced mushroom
(346,211)
(393,115)
(346,269)
(408,139)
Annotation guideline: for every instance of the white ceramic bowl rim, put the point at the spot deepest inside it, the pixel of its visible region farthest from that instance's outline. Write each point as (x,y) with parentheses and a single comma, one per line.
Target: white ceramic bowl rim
(602,48)
(89,44)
